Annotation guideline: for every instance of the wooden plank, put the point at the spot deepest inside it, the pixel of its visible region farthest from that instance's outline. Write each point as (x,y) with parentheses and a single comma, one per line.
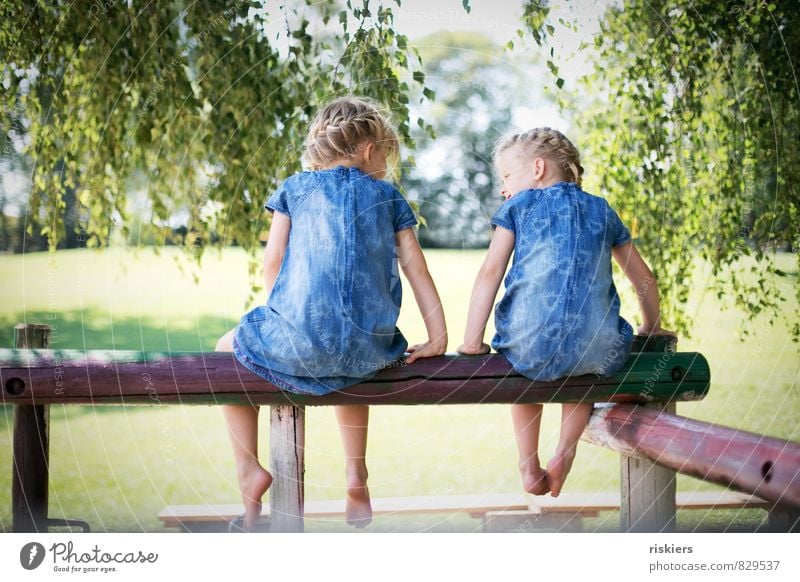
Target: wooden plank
(287,464)
(31,448)
(587,504)
(610,501)
(764,466)
(520,521)
(97,377)
(577,502)
(476,505)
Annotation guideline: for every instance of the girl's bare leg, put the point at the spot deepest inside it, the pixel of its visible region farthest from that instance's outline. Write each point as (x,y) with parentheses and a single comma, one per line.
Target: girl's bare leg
(353,422)
(527,419)
(574,418)
(242,422)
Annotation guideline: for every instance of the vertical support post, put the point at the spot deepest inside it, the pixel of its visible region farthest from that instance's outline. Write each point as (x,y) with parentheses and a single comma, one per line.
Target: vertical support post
(647,500)
(287,463)
(29,486)
(783,519)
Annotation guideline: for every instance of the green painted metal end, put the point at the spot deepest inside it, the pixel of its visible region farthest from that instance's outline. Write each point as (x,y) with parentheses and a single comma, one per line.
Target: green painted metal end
(667,376)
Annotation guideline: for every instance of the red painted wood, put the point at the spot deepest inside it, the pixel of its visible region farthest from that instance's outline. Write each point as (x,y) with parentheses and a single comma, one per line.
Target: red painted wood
(131,377)
(752,463)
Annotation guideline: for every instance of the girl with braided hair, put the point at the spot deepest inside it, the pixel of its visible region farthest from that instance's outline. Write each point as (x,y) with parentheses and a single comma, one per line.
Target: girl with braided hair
(334,292)
(560,312)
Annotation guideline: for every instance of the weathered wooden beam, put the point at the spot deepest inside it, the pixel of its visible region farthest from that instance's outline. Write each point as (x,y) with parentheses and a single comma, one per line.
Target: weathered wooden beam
(763,466)
(287,464)
(120,377)
(31,448)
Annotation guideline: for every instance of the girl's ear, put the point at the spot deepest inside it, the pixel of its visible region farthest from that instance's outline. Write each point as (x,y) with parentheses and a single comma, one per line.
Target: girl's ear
(538,168)
(367,151)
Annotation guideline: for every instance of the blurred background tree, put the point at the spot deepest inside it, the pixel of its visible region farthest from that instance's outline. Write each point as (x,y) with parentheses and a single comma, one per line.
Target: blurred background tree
(477,88)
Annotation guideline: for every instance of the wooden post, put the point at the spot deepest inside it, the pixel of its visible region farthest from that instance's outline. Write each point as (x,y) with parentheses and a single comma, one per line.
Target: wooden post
(287,463)
(783,519)
(647,491)
(31,447)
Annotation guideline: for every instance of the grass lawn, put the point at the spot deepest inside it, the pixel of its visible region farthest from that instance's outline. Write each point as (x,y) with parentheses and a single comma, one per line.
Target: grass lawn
(118,467)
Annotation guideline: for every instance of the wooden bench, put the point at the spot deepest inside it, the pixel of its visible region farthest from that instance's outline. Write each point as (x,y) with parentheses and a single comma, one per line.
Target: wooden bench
(216,517)
(33,377)
(499,511)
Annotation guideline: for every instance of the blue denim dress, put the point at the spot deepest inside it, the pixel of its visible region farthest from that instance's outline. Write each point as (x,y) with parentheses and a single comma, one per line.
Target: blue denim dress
(330,320)
(560,312)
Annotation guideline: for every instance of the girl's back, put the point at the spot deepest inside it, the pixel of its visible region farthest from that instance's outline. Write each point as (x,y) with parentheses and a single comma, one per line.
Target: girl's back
(334,307)
(560,312)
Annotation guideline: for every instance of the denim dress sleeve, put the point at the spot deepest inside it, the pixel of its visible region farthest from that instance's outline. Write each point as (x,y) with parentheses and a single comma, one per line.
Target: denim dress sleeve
(402,215)
(505,216)
(618,232)
(279,201)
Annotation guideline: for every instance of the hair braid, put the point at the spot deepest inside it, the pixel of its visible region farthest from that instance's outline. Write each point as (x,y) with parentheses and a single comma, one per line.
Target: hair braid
(343,127)
(547,143)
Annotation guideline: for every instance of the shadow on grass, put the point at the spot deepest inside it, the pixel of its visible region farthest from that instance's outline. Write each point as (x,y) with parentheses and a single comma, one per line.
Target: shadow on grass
(93,329)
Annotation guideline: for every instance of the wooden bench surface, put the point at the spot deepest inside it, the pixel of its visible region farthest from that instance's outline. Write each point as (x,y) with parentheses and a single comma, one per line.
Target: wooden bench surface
(586,504)
(610,501)
(174,515)
(41,376)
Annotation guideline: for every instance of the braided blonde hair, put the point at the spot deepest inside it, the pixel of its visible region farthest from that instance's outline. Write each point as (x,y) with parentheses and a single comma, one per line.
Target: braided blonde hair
(345,126)
(547,143)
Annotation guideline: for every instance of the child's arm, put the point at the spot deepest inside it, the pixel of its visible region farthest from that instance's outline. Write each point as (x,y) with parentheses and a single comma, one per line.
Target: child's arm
(485,290)
(412,261)
(643,280)
(277,242)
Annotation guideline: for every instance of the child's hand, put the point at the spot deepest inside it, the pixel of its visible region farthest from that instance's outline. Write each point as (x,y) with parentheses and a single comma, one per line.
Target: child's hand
(427,350)
(643,330)
(474,350)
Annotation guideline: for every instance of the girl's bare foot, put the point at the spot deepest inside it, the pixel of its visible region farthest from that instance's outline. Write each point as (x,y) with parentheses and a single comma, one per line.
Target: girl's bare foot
(254,481)
(558,468)
(358,509)
(534,479)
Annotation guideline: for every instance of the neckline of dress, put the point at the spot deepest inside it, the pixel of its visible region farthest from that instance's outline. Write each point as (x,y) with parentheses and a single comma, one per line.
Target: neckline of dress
(537,190)
(343,169)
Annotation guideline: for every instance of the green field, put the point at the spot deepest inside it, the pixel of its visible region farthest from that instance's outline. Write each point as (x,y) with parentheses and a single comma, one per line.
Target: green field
(118,467)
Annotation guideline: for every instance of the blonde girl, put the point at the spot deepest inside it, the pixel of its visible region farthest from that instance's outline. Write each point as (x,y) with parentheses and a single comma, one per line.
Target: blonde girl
(333,288)
(559,315)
